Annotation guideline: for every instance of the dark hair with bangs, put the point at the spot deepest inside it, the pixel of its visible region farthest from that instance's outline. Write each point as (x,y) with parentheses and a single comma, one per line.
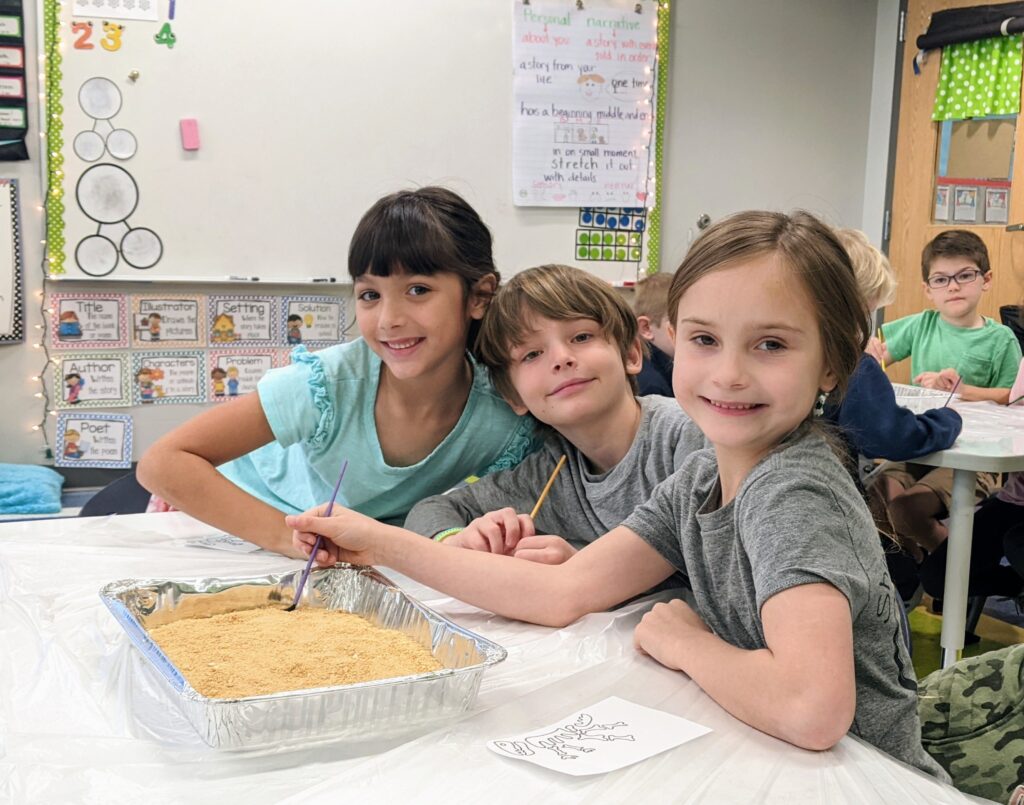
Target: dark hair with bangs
(555,292)
(423,231)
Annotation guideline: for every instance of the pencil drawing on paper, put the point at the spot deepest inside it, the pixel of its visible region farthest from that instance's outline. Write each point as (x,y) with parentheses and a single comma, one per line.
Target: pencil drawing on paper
(567,740)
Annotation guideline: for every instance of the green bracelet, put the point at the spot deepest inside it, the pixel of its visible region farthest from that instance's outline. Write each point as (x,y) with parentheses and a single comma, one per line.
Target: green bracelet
(441,536)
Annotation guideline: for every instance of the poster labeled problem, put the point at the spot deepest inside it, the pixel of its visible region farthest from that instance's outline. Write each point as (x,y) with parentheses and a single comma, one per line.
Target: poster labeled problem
(583,105)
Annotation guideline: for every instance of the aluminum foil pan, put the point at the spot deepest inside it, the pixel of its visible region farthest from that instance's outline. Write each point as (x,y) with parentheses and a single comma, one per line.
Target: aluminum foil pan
(365,711)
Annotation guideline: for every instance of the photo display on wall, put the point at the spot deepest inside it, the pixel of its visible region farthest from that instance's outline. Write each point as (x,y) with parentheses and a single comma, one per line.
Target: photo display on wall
(94,440)
(92,380)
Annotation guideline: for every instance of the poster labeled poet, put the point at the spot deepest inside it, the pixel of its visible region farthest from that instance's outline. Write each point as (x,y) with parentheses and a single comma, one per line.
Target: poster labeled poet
(583,105)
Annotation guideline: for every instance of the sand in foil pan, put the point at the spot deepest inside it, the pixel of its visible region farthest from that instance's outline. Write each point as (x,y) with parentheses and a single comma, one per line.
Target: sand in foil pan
(259,651)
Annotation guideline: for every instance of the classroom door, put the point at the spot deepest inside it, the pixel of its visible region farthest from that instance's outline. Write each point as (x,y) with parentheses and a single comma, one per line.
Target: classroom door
(913,214)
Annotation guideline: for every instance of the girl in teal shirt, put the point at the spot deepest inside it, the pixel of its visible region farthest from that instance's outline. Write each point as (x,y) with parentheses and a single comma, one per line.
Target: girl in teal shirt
(406,404)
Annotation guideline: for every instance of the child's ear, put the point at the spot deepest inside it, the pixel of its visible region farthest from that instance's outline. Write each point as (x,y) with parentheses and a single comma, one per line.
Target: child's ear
(634,358)
(480,295)
(645,329)
(516,404)
(828,381)
(986,280)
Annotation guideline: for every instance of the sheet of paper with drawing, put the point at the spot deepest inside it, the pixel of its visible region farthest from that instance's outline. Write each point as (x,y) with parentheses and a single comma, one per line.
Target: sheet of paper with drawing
(606,736)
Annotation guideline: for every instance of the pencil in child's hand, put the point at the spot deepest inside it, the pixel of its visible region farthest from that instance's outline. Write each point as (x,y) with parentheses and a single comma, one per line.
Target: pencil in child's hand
(547,487)
(881,340)
(952,391)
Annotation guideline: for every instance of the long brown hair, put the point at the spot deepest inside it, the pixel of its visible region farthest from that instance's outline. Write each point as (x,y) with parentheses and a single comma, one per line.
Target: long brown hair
(810,250)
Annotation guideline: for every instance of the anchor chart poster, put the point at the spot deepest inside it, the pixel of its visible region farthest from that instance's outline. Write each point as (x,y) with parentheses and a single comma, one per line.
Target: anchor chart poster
(583,105)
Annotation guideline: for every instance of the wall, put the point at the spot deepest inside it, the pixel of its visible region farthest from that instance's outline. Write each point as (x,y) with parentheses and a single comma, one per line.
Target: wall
(770,106)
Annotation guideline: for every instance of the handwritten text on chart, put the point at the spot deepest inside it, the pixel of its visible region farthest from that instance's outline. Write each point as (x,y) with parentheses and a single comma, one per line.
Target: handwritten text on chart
(583,106)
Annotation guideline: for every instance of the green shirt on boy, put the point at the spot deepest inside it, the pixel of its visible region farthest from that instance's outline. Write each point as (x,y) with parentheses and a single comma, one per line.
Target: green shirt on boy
(986,356)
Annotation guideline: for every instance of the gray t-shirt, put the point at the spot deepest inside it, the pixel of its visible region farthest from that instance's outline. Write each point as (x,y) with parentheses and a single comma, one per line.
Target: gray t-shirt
(796,519)
(582,505)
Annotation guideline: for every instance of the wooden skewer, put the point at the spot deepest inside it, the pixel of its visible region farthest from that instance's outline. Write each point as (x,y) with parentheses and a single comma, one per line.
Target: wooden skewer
(952,392)
(547,486)
(1016,400)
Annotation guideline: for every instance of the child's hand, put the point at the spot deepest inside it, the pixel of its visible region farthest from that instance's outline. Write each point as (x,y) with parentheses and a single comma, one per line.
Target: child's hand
(663,632)
(877,350)
(347,535)
(496,532)
(949,379)
(546,549)
(930,380)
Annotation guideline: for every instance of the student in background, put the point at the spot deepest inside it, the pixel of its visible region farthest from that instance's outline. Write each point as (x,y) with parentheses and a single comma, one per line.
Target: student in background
(797,628)
(405,404)
(998,532)
(563,346)
(868,416)
(649,306)
(946,344)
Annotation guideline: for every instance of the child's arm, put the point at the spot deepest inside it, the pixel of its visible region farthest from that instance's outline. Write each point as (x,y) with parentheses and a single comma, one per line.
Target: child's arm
(949,380)
(877,350)
(181,468)
(801,688)
(516,489)
(551,595)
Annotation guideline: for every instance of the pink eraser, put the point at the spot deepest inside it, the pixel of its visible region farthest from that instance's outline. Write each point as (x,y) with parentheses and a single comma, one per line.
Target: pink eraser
(190,134)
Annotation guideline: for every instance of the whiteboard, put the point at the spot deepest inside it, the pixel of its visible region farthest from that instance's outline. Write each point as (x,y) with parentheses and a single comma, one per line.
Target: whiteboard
(306,113)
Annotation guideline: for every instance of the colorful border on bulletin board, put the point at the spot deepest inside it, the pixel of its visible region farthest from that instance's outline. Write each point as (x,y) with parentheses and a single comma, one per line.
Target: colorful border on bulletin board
(661,100)
(222,330)
(14,293)
(53,145)
(151,391)
(64,365)
(63,327)
(66,459)
(139,331)
(308,320)
(226,359)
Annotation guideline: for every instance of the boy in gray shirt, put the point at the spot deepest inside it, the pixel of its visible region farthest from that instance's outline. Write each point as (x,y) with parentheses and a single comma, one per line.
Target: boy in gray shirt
(569,327)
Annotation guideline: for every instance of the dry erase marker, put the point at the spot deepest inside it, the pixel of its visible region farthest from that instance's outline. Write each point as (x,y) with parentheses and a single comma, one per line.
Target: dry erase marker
(322,279)
(235,278)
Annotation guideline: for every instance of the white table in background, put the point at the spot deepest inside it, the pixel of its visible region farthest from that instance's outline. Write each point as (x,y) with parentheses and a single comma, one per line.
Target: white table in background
(992,440)
(71,698)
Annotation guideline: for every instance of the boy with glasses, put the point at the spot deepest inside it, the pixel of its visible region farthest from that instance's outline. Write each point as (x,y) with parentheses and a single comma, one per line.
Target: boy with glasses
(952,346)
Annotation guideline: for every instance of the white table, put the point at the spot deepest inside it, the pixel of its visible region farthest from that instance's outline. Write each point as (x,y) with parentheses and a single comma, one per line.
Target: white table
(71,704)
(992,440)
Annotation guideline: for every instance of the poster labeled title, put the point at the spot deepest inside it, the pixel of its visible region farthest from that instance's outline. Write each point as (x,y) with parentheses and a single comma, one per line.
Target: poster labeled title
(583,105)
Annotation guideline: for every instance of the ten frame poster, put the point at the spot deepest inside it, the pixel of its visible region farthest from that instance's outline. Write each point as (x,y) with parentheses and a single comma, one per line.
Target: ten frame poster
(12,310)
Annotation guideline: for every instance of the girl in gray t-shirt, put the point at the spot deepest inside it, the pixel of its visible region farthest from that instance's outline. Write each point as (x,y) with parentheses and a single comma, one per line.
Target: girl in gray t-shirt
(796,626)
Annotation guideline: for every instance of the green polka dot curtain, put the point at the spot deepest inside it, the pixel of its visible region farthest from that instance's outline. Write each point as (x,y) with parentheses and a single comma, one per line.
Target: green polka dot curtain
(979,78)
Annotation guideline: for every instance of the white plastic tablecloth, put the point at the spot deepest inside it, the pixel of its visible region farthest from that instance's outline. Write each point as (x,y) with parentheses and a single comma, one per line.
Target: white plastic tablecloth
(79,724)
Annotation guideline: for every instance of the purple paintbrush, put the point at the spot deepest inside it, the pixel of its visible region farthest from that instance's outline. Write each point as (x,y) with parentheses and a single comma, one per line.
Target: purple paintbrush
(319,540)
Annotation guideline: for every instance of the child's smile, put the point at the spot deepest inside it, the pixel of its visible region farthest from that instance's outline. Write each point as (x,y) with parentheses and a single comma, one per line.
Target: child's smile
(749,361)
